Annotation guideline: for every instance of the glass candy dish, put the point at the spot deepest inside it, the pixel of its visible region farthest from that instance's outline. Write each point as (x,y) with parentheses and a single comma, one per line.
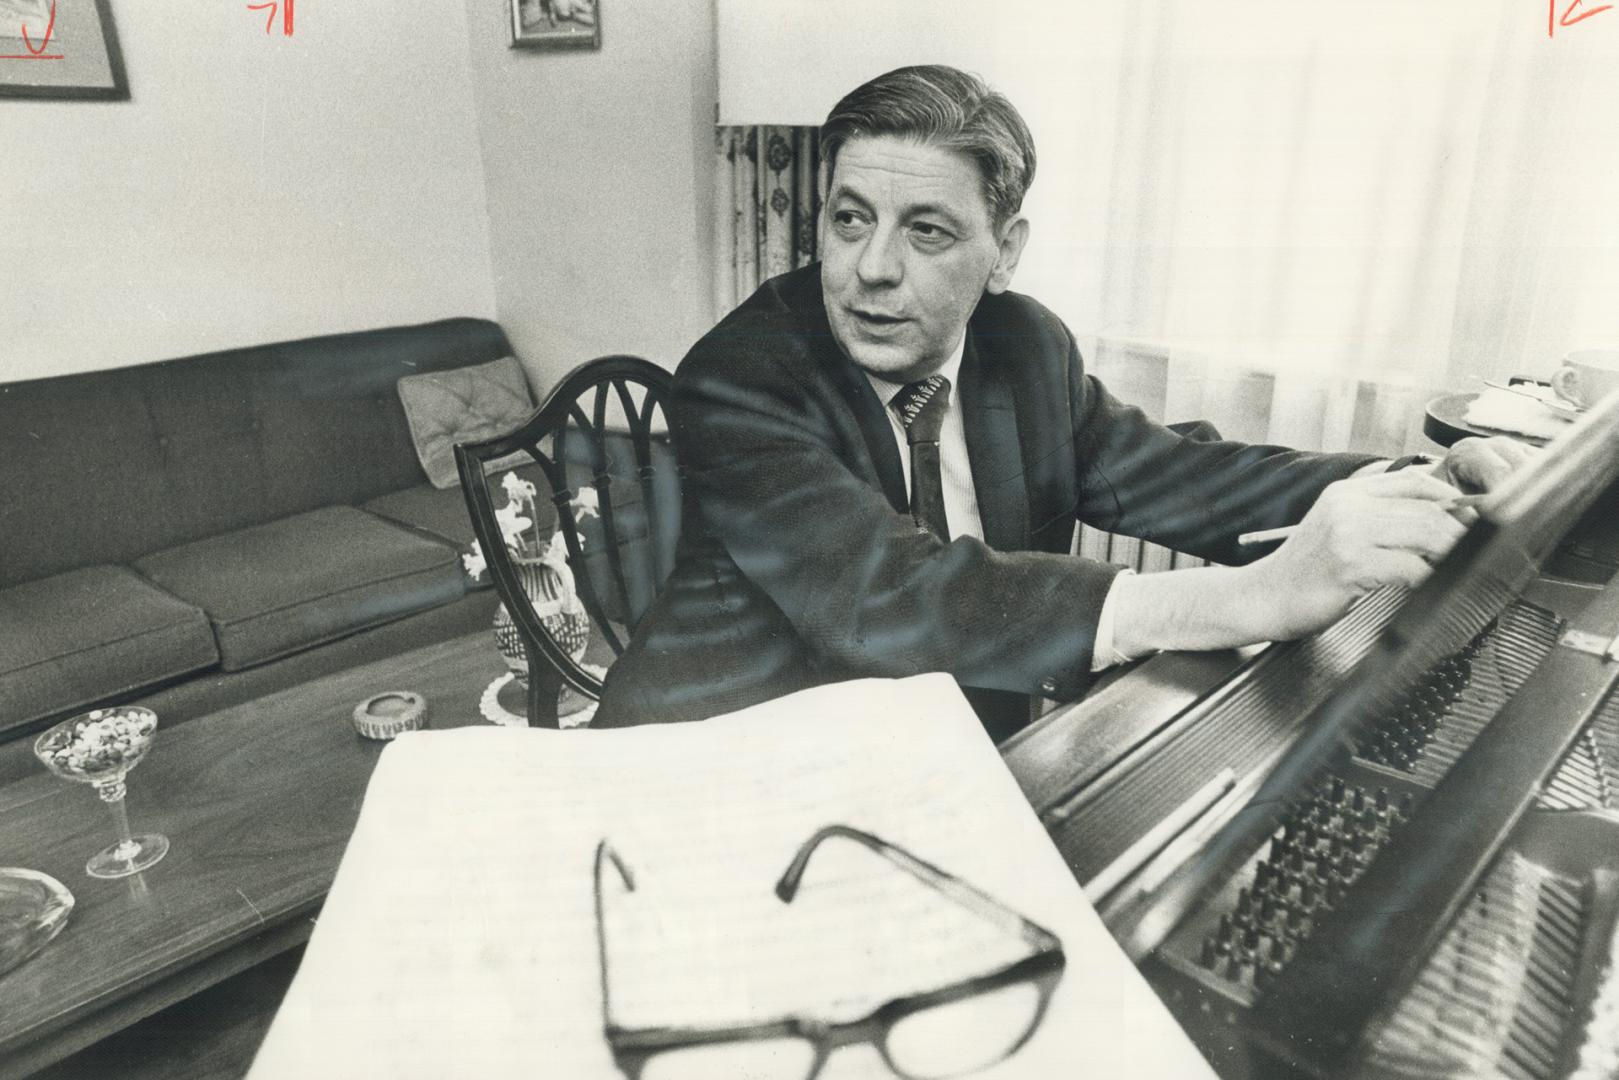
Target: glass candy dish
(33,909)
(99,748)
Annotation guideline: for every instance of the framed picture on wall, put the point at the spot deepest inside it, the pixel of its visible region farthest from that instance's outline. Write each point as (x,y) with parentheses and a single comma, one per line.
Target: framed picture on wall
(554,24)
(60,49)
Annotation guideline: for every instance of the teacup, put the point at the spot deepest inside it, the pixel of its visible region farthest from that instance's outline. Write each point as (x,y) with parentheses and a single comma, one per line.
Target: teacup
(1587,376)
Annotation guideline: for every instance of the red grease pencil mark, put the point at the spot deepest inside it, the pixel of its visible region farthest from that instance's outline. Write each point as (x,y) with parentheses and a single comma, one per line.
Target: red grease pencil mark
(285,7)
(28,42)
(1569,18)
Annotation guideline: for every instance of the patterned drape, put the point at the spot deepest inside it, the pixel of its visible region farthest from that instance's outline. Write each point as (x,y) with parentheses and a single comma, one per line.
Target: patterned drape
(766,203)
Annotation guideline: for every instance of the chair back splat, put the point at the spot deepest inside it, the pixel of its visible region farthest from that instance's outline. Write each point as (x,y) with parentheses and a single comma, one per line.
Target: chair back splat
(577,514)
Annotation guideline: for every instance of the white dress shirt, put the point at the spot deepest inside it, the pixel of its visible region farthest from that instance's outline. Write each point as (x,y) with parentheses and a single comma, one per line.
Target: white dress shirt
(960,499)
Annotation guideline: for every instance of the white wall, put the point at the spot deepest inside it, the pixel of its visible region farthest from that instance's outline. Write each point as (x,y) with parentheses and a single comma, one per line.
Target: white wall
(254,188)
(600,177)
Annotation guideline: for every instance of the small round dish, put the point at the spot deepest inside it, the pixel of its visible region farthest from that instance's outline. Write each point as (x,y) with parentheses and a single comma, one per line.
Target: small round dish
(393,712)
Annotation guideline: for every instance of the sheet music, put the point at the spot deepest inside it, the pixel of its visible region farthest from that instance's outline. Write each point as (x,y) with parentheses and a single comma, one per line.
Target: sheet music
(459,938)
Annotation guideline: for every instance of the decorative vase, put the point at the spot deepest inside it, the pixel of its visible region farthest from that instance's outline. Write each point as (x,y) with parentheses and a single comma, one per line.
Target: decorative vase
(554,601)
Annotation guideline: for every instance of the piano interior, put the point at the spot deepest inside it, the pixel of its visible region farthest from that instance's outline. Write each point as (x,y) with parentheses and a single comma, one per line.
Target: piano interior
(1391,849)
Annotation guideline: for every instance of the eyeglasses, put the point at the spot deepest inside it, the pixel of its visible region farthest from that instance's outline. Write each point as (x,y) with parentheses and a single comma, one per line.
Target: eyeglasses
(950,1031)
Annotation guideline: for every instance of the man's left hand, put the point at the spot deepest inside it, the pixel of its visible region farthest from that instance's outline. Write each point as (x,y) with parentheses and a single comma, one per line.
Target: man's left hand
(1475,464)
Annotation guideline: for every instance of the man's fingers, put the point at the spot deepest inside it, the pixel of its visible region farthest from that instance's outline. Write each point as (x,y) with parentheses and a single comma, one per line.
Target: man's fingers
(1423,529)
(1407,484)
(1482,464)
(1389,567)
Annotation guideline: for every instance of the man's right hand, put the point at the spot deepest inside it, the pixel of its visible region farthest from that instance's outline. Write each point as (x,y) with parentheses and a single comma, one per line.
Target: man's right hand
(1362,534)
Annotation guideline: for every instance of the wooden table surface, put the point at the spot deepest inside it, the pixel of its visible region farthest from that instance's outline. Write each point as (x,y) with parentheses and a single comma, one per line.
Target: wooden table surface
(258,802)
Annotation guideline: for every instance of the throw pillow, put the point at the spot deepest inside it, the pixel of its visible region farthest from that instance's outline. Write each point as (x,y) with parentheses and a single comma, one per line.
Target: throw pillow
(464,405)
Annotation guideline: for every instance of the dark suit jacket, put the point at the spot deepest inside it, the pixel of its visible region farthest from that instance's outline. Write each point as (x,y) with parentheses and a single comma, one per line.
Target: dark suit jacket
(799,563)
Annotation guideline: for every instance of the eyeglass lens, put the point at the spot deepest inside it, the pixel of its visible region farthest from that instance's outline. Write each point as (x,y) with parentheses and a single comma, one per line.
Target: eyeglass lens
(961,1037)
(949,1040)
(785,1058)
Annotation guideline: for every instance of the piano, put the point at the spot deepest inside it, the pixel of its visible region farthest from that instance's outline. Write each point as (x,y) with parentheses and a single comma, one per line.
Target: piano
(1390,849)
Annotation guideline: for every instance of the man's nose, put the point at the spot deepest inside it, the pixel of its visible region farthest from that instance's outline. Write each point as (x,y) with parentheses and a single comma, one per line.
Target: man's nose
(881,261)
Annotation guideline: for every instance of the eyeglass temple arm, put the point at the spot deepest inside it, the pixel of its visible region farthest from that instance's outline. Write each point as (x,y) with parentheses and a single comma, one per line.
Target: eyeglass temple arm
(953,887)
(604,855)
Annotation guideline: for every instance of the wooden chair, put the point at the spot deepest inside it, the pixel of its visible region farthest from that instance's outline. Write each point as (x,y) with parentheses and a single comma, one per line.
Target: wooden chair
(597,453)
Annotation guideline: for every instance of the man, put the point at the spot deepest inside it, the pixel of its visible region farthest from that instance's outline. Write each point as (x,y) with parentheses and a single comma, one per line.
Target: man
(808,556)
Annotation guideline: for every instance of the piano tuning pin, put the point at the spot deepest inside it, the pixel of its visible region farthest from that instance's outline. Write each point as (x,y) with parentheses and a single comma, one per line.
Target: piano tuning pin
(1250,940)
(1226,929)
(1382,798)
(1359,801)
(1245,902)
(1307,895)
(1407,803)
(1210,955)
(1337,790)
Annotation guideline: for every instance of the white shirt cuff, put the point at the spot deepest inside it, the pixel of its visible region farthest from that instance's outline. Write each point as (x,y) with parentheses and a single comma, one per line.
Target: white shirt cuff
(1103,654)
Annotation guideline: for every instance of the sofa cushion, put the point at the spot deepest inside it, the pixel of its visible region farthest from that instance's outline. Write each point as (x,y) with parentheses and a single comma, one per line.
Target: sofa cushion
(464,405)
(92,634)
(274,589)
(440,512)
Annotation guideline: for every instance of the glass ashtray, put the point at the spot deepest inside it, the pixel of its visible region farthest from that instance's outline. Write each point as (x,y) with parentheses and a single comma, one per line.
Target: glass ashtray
(33,909)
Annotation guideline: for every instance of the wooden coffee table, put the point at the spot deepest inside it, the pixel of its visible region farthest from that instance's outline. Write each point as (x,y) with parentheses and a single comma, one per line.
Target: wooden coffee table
(258,802)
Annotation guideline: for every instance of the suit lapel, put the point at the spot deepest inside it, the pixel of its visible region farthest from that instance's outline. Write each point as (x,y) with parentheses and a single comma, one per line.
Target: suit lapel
(802,295)
(869,413)
(990,416)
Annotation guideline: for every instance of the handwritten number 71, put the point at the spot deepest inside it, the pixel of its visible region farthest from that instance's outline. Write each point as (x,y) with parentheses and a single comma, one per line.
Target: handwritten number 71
(285,7)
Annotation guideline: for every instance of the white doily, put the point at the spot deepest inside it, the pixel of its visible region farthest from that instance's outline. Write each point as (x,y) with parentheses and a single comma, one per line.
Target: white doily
(496,713)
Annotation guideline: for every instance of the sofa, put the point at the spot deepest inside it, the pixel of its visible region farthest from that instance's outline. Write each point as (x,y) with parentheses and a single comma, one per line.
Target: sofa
(198,532)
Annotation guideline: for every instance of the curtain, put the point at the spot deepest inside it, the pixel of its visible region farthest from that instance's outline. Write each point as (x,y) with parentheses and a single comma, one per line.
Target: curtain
(766,204)
(1313,226)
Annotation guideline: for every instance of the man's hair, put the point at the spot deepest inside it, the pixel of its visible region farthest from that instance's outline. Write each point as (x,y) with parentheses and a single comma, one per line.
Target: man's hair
(949,108)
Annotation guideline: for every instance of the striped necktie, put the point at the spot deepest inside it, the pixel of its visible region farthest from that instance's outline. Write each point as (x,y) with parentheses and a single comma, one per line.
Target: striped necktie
(921,407)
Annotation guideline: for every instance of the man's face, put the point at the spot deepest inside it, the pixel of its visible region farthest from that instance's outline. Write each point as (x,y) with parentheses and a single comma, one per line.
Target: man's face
(907,250)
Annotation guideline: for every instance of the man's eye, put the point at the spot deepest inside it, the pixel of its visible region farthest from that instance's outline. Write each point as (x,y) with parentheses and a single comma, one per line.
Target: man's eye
(930,234)
(848,220)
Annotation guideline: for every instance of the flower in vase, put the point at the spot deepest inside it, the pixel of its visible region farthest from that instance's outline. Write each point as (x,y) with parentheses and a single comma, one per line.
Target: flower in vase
(517,489)
(586,503)
(474,562)
(512,523)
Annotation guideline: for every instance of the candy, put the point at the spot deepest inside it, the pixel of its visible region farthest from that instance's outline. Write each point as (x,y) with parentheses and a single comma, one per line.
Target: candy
(103,741)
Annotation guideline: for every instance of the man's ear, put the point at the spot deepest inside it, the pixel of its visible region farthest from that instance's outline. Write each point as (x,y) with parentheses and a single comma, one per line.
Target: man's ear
(1015,235)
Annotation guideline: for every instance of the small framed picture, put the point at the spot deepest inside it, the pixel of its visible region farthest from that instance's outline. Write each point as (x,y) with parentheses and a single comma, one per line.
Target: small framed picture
(556,24)
(60,49)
